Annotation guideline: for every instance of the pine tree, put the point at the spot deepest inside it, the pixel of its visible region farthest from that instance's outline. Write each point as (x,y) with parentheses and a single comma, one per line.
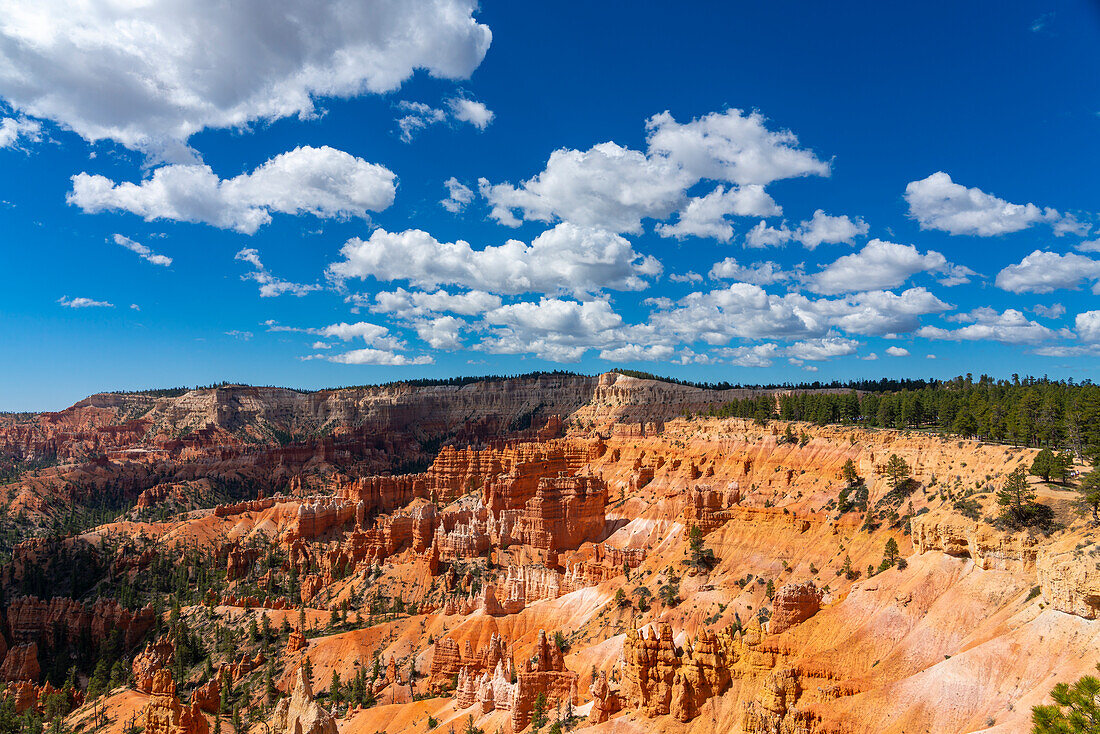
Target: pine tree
(270,691)
(890,555)
(1076,708)
(1090,493)
(851,474)
(1044,464)
(100,678)
(538,713)
(334,687)
(897,470)
(1017,498)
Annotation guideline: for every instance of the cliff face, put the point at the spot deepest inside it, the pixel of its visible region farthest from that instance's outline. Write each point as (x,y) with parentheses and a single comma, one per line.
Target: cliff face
(562,505)
(127,442)
(1070,579)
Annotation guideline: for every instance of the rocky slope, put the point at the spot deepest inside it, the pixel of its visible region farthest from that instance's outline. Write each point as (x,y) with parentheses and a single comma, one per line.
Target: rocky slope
(544,572)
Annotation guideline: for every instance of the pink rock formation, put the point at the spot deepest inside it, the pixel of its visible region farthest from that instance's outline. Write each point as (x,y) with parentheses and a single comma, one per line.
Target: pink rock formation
(299,713)
(155,656)
(793,603)
(21,663)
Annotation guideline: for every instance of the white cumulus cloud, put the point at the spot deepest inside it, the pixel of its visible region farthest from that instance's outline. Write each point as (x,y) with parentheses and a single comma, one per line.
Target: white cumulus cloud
(937,202)
(554,329)
(816,350)
(150,75)
(459,195)
(369,355)
(879,264)
(762,273)
(1009,327)
(823,228)
(615,188)
(1043,272)
(471,111)
(706,216)
(566,258)
(1088,326)
(325,182)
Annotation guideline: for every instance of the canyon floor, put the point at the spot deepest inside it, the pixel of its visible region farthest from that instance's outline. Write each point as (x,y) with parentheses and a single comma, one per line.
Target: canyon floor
(588,552)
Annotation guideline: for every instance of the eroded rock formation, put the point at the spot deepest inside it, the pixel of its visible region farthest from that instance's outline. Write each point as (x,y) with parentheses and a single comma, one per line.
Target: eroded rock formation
(21,663)
(299,713)
(155,656)
(31,619)
(165,715)
(660,678)
(793,603)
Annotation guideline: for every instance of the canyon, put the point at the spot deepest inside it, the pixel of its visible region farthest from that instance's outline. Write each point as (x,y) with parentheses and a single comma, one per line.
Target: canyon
(511,553)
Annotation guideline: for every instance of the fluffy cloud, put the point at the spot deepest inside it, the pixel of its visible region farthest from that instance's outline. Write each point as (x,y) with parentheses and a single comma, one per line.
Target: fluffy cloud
(953,274)
(1010,327)
(373,335)
(381,346)
(150,76)
(1043,272)
(442,332)
(879,264)
(368,355)
(1050,312)
(270,286)
(608,187)
(742,311)
(819,229)
(877,313)
(937,202)
(614,188)
(763,235)
(415,117)
(822,228)
(566,258)
(759,355)
(897,351)
(459,195)
(732,146)
(706,216)
(555,329)
(762,273)
(15,129)
(746,311)
(471,111)
(410,304)
(322,181)
(816,350)
(1088,326)
(142,251)
(82,302)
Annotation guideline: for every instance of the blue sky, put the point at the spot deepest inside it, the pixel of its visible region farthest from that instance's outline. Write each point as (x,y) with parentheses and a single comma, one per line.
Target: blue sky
(750,192)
